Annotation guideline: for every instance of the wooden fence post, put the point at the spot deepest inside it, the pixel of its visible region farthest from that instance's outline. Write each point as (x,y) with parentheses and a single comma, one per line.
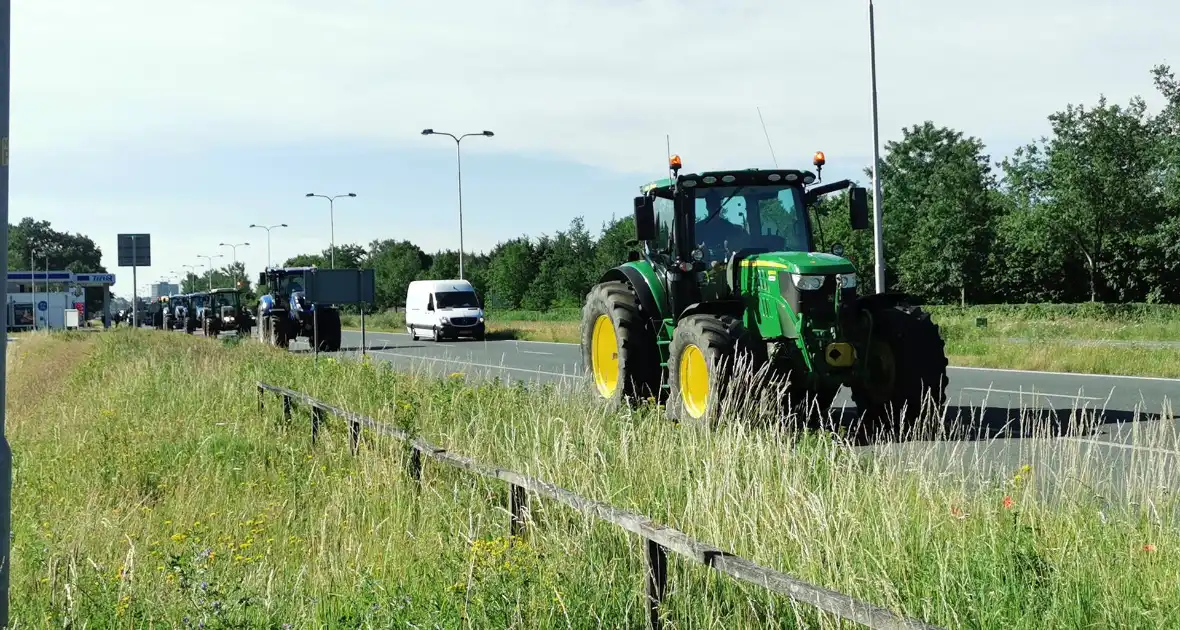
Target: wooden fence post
(414,465)
(317,416)
(354,436)
(518,503)
(657,581)
(287,408)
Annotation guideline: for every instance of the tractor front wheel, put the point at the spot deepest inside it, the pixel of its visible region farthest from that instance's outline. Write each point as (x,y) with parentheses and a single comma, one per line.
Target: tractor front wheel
(905,369)
(618,347)
(705,350)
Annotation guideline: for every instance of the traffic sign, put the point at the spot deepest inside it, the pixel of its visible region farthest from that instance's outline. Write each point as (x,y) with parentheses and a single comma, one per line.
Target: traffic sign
(43,305)
(135,250)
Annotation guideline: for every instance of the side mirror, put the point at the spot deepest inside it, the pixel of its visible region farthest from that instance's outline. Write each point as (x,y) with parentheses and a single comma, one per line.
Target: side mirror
(430,306)
(858,208)
(645,218)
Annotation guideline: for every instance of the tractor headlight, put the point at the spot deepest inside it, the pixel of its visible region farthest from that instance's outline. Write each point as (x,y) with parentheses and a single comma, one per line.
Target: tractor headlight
(847,280)
(807,283)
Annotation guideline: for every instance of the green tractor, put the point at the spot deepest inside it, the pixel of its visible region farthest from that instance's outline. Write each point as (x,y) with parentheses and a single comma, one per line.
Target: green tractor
(726,267)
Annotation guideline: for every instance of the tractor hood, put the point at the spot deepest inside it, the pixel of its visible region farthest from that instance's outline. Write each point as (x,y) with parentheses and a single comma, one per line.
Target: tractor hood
(805,263)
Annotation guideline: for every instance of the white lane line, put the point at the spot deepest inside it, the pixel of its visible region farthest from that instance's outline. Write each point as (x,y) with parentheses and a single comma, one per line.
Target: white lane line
(483,365)
(534,352)
(952,367)
(1028,393)
(1083,374)
(1130,447)
(547,343)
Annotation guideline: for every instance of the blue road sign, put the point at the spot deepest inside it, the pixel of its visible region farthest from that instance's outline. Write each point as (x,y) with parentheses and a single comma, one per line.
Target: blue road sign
(43,305)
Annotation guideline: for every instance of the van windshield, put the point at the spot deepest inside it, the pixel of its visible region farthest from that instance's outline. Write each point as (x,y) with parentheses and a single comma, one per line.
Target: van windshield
(455,299)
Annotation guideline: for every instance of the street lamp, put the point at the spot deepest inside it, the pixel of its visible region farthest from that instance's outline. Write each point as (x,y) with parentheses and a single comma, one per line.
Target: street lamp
(268,228)
(235,247)
(192,270)
(332,217)
(210,259)
(459,169)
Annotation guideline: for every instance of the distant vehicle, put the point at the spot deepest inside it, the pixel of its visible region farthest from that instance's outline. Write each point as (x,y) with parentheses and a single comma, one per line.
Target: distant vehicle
(446,308)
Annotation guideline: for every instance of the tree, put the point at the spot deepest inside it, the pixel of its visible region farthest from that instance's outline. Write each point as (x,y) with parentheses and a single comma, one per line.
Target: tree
(71,252)
(395,265)
(936,185)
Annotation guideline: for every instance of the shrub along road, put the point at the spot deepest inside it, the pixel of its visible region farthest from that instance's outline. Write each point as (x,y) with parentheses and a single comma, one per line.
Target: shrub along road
(993,411)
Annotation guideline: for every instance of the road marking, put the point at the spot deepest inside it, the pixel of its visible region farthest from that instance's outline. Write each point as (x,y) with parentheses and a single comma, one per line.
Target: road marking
(483,365)
(548,343)
(1118,376)
(952,367)
(534,352)
(1130,447)
(1028,393)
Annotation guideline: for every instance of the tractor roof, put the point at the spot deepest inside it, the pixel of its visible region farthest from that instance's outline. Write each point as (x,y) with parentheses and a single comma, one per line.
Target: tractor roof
(770,177)
(225,290)
(288,270)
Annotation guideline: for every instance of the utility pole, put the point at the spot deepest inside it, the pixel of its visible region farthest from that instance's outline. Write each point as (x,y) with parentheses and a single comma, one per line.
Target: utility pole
(210,259)
(459,172)
(878,212)
(235,247)
(268,228)
(332,217)
(5,450)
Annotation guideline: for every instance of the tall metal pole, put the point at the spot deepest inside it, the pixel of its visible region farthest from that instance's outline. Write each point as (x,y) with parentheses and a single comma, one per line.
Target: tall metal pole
(459,172)
(234,247)
(5,451)
(331,217)
(268,228)
(210,258)
(134,285)
(878,213)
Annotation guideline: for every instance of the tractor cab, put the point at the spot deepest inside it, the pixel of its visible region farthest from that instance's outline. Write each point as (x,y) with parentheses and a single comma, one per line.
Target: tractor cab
(223,311)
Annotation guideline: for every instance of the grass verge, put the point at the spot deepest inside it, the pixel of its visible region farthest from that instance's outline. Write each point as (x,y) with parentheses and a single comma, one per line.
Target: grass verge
(149,492)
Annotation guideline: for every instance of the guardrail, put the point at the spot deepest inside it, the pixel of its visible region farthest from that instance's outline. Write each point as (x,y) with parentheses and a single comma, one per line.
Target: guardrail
(660,538)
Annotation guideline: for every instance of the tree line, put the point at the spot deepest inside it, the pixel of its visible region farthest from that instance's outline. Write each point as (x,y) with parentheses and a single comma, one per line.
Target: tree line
(1089,212)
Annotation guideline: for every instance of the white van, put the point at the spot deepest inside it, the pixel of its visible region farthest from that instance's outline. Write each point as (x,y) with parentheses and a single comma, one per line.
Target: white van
(443,308)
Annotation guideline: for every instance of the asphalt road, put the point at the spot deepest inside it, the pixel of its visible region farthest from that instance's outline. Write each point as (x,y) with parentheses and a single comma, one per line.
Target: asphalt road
(1009,417)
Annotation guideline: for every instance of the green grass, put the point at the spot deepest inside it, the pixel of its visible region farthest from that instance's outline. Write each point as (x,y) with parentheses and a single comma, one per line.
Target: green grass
(1050,332)
(148,492)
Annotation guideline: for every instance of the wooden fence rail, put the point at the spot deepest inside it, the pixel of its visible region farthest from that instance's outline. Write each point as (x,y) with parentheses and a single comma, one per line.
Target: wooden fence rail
(659,538)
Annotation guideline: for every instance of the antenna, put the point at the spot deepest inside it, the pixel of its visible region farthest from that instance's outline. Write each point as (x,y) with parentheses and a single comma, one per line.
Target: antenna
(668,160)
(764,132)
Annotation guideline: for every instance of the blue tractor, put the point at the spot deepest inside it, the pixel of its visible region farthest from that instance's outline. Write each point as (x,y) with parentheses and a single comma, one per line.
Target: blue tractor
(285,314)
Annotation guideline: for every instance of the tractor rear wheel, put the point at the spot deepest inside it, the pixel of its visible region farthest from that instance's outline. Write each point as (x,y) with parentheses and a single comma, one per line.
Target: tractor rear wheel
(907,366)
(619,349)
(167,322)
(276,327)
(705,350)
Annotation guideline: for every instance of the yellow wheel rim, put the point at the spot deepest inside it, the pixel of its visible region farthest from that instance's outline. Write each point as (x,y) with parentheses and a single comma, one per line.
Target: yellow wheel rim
(604,356)
(694,381)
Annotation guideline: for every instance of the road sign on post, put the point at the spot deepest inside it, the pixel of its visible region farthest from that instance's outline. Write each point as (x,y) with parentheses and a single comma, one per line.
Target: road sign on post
(135,250)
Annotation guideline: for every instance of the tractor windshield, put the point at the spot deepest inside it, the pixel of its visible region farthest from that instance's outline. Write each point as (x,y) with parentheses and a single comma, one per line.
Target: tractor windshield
(730,218)
(222,299)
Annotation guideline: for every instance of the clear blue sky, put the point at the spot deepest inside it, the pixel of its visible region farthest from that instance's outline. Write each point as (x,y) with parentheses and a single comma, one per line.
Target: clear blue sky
(191,122)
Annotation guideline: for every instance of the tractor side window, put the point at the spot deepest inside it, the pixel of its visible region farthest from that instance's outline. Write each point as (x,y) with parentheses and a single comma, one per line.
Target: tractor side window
(665,214)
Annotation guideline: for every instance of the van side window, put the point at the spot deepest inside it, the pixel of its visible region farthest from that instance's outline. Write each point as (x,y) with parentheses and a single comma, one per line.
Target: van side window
(430,303)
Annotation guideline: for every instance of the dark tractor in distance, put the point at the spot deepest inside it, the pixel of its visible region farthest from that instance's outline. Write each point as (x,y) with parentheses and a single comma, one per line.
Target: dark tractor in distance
(285,314)
(223,312)
(727,267)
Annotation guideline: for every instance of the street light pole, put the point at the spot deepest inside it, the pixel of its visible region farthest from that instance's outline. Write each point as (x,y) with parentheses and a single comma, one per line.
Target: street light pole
(210,259)
(459,172)
(878,212)
(268,228)
(235,247)
(332,217)
(190,270)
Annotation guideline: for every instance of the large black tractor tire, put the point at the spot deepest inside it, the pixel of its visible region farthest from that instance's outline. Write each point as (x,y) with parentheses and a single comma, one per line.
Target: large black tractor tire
(702,358)
(906,369)
(167,322)
(329,331)
(618,347)
(212,327)
(190,324)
